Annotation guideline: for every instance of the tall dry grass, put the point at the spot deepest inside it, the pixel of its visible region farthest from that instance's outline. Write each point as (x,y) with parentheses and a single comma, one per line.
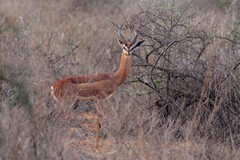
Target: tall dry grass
(149,117)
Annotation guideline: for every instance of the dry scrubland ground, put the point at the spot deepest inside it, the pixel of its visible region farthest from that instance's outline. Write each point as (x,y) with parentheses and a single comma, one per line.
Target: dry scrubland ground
(180,102)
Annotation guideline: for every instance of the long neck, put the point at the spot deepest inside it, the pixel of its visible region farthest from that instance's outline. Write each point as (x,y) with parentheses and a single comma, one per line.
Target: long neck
(124,69)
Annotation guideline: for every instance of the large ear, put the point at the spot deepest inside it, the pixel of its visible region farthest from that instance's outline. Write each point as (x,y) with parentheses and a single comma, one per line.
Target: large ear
(120,42)
(139,43)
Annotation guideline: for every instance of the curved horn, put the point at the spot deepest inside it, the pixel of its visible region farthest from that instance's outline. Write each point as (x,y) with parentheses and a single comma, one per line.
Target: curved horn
(120,34)
(135,36)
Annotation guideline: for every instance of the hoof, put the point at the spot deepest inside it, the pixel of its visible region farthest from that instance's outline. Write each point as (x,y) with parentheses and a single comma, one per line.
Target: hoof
(96,150)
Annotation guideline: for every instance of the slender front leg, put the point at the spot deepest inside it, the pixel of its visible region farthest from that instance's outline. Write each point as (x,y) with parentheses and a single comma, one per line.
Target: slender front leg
(100,113)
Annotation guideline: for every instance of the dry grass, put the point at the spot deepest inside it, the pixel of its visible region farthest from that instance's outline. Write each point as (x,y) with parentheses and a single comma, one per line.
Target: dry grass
(41,42)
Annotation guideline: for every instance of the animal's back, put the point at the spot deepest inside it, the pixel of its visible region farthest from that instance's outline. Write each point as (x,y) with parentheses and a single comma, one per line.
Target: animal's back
(83,86)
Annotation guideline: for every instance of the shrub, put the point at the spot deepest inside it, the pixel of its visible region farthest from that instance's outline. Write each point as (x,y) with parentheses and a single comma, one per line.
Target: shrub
(191,68)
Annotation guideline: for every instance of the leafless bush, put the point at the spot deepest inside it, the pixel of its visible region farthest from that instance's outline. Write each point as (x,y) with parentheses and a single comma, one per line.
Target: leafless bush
(191,69)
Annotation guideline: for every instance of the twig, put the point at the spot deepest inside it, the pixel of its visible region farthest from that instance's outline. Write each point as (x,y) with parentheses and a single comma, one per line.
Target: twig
(154,66)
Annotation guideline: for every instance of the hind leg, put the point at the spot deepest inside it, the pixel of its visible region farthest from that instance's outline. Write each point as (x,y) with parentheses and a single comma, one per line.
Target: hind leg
(100,114)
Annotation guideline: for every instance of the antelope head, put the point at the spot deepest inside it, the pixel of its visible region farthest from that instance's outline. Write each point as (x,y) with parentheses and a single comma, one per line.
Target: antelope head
(130,45)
